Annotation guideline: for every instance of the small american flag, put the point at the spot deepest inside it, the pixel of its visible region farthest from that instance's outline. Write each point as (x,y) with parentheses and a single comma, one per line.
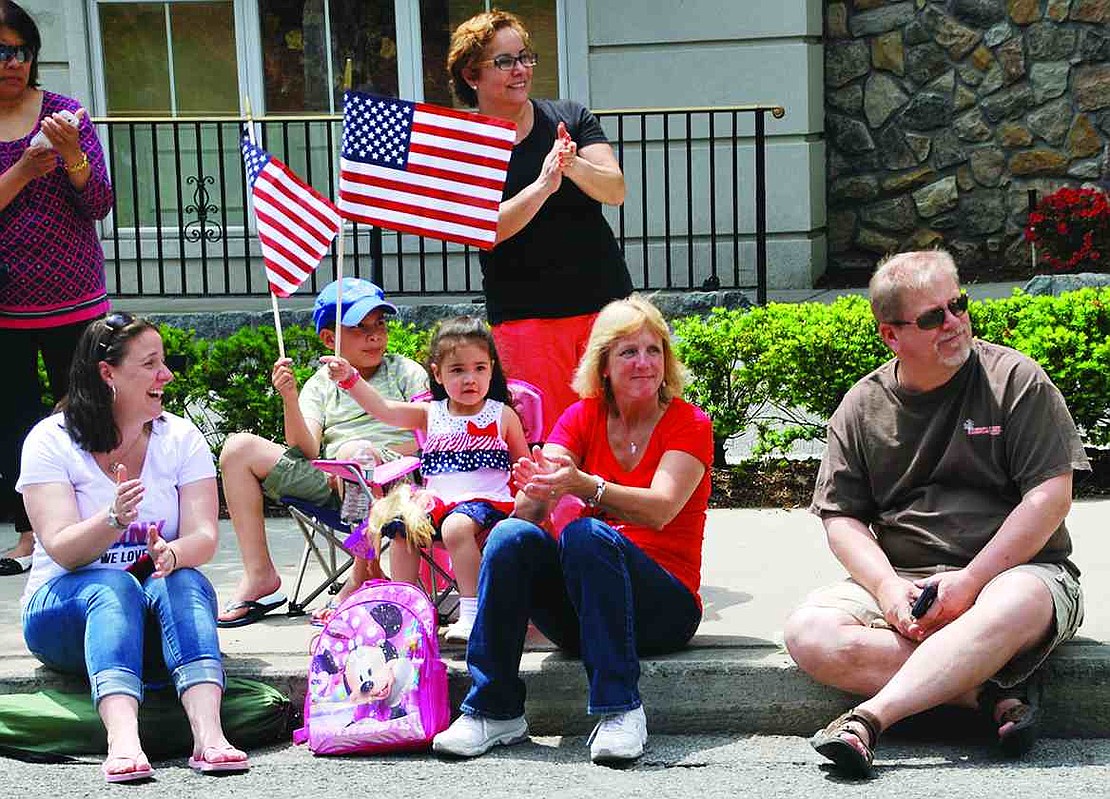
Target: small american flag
(422,169)
(296,224)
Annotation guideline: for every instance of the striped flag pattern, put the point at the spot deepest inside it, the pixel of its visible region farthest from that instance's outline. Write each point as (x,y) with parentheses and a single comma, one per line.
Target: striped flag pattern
(296,224)
(423,169)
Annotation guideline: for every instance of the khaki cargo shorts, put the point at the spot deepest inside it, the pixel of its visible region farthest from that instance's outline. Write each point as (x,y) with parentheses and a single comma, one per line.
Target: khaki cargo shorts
(1067,600)
(294,476)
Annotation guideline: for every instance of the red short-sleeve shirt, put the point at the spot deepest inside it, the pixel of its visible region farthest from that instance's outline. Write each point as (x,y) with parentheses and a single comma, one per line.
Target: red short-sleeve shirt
(684,427)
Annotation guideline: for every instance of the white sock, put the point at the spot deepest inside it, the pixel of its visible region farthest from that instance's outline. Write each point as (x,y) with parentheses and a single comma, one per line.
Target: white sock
(468,608)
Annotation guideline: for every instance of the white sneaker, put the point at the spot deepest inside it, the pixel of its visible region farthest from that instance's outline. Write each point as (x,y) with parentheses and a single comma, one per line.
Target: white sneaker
(459,631)
(471,736)
(619,737)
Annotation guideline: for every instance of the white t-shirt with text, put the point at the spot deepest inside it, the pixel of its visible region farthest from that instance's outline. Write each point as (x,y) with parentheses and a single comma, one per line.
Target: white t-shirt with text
(176,455)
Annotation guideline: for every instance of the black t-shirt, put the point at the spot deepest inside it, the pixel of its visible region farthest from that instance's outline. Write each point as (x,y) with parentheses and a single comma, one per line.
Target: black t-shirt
(565,261)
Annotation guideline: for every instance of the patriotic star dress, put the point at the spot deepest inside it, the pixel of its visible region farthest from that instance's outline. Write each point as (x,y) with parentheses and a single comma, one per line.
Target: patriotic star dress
(466,458)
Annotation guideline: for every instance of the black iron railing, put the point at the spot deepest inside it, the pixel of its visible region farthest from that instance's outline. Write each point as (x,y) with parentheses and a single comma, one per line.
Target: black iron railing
(695,214)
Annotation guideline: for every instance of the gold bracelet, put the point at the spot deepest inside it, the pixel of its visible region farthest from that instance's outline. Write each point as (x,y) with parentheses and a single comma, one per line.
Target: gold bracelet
(84,162)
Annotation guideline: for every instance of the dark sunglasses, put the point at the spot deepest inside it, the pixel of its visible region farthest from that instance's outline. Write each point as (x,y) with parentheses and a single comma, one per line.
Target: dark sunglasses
(115,322)
(505,62)
(931,320)
(20,52)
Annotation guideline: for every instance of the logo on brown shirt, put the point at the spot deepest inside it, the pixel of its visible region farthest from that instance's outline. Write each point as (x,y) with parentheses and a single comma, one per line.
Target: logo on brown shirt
(986,430)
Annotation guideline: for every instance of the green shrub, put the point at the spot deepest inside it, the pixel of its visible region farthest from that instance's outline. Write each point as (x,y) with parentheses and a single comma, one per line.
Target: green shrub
(780,370)
(187,358)
(812,354)
(44,384)
(784,368)
(405,338)
(239,393)
(225,386)
(717,351)
(1069,336)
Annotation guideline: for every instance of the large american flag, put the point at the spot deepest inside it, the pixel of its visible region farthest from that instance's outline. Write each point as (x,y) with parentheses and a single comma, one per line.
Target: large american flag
(296,224)
(423,169)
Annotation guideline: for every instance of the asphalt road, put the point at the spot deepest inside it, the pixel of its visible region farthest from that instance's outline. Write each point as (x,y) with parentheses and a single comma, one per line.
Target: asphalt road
(674,767)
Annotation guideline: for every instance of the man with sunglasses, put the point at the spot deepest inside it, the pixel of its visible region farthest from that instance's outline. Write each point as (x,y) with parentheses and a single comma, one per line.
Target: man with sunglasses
(948,468)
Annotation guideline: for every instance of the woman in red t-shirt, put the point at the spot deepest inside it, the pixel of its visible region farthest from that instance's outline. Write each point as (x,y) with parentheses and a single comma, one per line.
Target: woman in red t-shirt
(622,580)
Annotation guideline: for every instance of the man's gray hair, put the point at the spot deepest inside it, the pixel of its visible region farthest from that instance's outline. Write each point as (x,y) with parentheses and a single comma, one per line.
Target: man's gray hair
(904,273)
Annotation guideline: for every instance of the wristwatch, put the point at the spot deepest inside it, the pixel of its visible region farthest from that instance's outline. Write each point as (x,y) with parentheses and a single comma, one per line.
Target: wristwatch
(114,520)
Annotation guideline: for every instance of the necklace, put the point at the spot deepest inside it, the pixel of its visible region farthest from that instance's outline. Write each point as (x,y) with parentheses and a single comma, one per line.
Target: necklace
(631,437)
(115,463)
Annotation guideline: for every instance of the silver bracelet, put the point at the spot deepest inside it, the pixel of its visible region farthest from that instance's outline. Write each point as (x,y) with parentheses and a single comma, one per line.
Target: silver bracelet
(595,500)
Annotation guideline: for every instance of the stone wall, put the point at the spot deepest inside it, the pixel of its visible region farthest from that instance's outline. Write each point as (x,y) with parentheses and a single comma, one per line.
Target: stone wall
(941,115)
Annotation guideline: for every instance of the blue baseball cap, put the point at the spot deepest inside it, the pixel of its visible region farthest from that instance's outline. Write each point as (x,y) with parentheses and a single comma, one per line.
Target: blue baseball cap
(360,297)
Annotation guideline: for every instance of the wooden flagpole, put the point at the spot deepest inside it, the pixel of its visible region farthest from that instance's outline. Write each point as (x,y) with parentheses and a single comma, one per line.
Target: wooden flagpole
(273,297)
(347,70)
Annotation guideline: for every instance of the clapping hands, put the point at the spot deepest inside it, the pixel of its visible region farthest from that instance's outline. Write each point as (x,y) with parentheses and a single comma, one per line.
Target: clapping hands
(545,478)
(129,493)
(560,158)
(165,558)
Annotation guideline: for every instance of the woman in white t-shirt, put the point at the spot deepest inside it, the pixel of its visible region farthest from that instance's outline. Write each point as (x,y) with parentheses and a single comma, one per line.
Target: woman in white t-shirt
(113,581)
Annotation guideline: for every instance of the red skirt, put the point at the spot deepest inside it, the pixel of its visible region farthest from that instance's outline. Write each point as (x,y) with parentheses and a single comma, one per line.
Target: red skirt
(545,352)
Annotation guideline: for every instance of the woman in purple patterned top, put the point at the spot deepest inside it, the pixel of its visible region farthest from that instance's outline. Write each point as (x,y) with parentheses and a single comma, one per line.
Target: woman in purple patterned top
(53,188)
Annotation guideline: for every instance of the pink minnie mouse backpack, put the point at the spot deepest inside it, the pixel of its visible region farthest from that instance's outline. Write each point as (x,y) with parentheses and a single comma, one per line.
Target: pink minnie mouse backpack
(375,681)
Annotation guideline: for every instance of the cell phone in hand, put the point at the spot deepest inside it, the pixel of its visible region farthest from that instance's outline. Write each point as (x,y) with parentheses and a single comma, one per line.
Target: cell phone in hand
(924,601)
(40,140)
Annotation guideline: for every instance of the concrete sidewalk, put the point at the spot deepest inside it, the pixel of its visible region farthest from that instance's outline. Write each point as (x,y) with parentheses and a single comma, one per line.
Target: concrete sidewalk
(734,678)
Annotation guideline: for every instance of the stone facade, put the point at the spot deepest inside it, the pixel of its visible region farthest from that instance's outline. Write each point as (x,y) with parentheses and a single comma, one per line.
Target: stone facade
(941,115)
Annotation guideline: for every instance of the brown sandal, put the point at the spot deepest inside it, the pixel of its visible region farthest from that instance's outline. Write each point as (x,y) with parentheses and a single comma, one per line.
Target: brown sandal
(831,742)
(1024,716)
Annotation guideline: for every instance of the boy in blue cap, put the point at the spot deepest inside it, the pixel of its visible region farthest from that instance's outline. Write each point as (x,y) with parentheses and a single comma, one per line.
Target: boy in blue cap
(321,422)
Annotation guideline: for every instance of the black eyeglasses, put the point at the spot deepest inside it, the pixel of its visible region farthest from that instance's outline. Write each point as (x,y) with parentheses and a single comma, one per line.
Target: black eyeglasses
(931,320)
(115,322)
(505,62)
(20,52)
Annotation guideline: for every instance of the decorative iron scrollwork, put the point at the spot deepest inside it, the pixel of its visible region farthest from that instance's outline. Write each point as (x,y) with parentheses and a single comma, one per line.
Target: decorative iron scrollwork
(202,227)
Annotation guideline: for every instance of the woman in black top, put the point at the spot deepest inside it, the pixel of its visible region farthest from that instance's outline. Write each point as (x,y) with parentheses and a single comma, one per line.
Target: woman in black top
(556,262)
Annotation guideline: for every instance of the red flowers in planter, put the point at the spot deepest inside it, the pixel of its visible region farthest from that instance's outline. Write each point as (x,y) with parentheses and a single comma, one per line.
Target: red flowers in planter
(1071,228)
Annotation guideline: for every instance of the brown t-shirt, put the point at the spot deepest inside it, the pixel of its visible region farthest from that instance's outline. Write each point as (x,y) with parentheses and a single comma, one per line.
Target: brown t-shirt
(936,473)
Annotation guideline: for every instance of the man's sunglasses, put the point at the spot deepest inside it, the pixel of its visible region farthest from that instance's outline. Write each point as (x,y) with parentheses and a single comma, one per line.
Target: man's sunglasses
(931,320)
(20,52)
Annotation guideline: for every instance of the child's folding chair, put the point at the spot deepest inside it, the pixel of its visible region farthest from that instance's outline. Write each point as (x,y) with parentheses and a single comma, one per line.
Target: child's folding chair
(329,538)
(436,575)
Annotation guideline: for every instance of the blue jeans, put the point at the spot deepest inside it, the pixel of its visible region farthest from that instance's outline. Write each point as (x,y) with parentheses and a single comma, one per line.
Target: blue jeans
(104,624)
(593,592)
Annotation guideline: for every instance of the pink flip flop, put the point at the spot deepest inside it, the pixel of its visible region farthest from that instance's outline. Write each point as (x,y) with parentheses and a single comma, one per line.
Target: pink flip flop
(205,766)
(126,776)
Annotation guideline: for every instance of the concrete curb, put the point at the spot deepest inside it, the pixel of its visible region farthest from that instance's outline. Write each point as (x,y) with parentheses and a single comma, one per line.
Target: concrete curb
(717,688)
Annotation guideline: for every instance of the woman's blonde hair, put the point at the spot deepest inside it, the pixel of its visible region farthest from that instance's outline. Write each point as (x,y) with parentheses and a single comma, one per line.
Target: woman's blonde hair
(616,320)
(470,40)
